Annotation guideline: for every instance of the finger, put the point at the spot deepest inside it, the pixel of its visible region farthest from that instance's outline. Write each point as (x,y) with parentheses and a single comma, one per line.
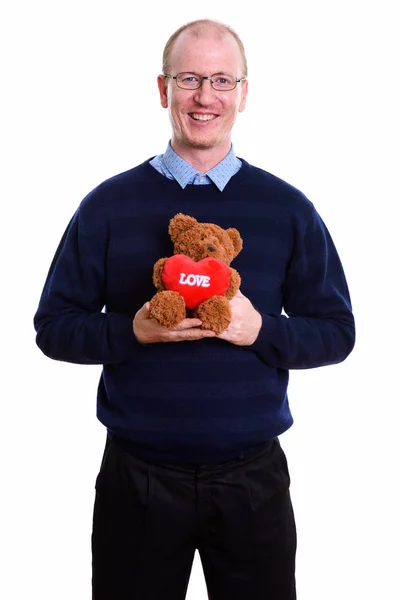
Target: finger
(145,308)
(192,334)
(144,311)
(187,324)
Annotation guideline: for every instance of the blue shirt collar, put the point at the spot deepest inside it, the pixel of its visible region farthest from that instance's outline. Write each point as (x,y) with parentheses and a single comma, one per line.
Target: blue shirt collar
(184,173)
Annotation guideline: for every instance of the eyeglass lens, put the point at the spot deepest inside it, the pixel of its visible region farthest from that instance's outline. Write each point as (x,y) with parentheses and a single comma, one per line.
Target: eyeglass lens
(219,81)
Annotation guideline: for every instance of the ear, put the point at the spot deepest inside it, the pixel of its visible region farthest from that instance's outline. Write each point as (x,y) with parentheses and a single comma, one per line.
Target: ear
(236,239)
(180,223)
(245,87)
(162,83)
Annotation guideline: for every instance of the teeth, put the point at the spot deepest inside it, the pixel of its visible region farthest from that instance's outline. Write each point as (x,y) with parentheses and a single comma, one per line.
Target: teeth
(202,117)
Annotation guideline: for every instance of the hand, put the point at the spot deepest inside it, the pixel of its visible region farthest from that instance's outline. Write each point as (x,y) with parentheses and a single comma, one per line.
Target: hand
(246,322)
(149,332)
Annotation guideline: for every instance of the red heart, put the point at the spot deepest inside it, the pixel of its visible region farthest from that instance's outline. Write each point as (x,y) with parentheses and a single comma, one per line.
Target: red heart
(195,281)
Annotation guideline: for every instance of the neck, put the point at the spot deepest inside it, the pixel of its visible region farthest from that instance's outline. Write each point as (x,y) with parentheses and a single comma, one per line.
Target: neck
(201,159)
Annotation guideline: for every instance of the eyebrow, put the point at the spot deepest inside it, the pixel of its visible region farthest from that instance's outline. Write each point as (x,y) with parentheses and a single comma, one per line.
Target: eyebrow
(215,73)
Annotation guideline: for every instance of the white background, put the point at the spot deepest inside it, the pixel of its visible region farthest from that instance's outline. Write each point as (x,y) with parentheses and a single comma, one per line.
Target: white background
(79,104)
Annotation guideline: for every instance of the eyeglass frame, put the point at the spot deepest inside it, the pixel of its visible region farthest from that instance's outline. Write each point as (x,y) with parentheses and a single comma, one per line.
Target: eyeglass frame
(202,78)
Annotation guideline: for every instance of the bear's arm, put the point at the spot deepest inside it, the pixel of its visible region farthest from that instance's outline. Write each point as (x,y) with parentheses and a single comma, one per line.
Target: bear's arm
(234,284)
(157,270)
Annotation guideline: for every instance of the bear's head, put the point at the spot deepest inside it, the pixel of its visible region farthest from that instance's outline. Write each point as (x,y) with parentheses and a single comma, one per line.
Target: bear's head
(204,240)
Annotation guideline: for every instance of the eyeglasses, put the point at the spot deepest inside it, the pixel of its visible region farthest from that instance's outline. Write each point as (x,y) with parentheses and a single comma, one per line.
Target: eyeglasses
(193,81)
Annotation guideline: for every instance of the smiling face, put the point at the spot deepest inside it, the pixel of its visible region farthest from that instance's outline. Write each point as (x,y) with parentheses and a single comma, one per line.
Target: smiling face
(202,119)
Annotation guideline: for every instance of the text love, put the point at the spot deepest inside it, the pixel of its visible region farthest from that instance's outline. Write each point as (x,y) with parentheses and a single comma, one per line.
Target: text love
(192,279)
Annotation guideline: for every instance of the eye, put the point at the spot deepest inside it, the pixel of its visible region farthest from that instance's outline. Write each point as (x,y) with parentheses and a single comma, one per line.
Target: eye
(189,78)
(224,80)
(202,237)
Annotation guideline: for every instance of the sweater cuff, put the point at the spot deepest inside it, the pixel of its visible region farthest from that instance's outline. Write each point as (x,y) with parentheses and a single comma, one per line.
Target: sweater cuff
(123,336)
(262,345)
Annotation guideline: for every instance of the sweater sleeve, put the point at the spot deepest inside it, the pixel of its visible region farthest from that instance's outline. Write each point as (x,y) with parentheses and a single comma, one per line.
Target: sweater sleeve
(69,321)
(319,327)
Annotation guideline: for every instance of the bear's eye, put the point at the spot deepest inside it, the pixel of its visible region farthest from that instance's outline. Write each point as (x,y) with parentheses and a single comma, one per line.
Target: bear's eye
(202,237)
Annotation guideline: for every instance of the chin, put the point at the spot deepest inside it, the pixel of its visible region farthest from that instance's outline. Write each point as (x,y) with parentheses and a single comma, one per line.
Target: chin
(202,143)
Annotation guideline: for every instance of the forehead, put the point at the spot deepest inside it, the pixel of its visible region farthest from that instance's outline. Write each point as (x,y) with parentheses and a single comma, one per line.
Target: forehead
(206,51)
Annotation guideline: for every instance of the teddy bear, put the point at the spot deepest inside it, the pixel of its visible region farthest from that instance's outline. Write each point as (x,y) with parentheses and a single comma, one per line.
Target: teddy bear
(197,281)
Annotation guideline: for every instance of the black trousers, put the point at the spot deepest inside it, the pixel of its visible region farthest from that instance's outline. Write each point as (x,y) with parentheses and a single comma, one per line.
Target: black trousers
(149,520)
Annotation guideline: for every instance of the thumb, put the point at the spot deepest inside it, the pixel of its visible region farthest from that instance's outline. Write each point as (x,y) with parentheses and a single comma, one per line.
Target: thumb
(144,311)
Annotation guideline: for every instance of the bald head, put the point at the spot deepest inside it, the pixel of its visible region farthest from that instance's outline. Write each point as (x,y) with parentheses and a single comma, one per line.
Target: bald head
(203,28)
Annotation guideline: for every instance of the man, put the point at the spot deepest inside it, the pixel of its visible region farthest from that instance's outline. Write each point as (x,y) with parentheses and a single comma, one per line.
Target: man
(192,459)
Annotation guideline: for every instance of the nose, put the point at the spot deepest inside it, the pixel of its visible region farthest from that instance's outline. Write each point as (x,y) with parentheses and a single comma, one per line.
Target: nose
(205,94)
(211,247)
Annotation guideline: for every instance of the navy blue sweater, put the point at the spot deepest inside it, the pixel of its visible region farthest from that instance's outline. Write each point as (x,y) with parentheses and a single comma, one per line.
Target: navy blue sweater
(206,400)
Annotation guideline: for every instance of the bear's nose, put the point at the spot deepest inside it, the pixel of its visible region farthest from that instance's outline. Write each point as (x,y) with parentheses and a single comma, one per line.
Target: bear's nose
(211,247)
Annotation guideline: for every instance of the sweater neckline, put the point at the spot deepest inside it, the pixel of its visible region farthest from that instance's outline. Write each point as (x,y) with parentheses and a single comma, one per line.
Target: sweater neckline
(236,179)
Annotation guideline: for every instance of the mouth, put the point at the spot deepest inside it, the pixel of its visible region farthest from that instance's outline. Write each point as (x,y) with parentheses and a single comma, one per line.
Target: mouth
(202,117)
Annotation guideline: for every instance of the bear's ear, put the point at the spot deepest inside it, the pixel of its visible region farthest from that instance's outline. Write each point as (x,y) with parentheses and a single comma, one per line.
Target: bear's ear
(180,223)
(236,239)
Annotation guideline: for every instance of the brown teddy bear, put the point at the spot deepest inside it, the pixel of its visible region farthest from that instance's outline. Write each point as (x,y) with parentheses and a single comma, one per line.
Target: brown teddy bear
(197,278)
